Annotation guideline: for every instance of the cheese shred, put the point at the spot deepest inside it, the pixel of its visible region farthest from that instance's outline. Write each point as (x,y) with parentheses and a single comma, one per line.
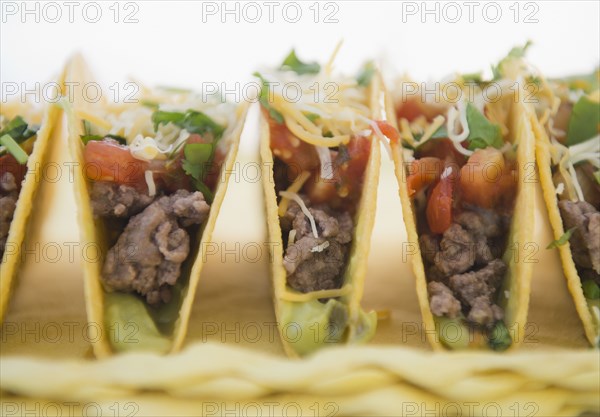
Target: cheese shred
(293,196)
(294,188)
(149,177)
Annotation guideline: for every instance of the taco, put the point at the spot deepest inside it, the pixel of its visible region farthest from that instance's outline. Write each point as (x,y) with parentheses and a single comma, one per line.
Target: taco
(320,160)
(25,133)
(566,122)
(153,176)
(463,159)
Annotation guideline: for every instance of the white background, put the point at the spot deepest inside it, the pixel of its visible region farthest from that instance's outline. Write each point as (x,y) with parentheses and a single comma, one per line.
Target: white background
(194,43)
(175,43)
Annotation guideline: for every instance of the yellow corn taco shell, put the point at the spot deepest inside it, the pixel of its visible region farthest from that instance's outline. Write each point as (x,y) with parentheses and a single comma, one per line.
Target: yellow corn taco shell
(589,317)
(123,322)
(515,291)
(11,259)
(305,324)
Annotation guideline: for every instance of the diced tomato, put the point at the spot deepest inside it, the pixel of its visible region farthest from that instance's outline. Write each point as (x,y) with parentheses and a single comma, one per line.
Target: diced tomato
(107,161)
(413,107)
(487,180)
(389,131)
(8,163)
(171,176)
(439,205)
(409,109)
(423,172)
(345,187)
(298,155)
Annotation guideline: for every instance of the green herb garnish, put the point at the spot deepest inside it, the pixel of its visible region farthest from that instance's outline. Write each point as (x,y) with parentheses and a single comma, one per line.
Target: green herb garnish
(590,289)
(150,104)
(14,149)
(312,116)
(586,82)
(292,63)
(597,176)
(473,77)
(562,240)
(499,338)
(193,121)
(365,76)
(482,132)
(198,158)
(584,121)
(515,53)
(264,99)
(19,130)
(440,133)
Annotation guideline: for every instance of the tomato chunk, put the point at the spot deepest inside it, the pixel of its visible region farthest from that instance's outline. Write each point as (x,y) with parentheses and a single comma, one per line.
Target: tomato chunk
(423,172)
(298,155)
(109,161)
(487,180)
(413,107)
(345,188)
(439,205)
(389,131)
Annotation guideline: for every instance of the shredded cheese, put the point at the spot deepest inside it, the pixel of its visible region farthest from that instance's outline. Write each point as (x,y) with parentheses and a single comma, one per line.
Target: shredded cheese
(459,111)
(329,65)
(431,129)
(293,196)
(149,177)
(291,237)
(315,295)
(294,188)
(321,247)
(326,164)
(92,118)
(145,149)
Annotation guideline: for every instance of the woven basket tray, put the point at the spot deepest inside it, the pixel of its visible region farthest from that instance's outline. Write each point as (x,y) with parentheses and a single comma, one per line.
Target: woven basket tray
(233,363)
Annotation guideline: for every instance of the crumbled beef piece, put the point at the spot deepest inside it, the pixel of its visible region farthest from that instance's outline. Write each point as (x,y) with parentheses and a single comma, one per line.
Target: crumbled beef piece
(478,289)
(434,274)
(457,251)
(442,301)
(8,183)
(585,241)
(117,200)
(312,271)
(484,282)
(308,269)
(483,253)
(461,268)
(480,222)
(430,247)
(8,203)
(484,313)
(147,257)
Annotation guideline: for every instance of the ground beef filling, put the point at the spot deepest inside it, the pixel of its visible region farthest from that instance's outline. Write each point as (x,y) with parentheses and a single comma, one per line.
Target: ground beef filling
(311,266)
(110,199)
(9,194)
(584,219)
(149,252)
(464,268)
